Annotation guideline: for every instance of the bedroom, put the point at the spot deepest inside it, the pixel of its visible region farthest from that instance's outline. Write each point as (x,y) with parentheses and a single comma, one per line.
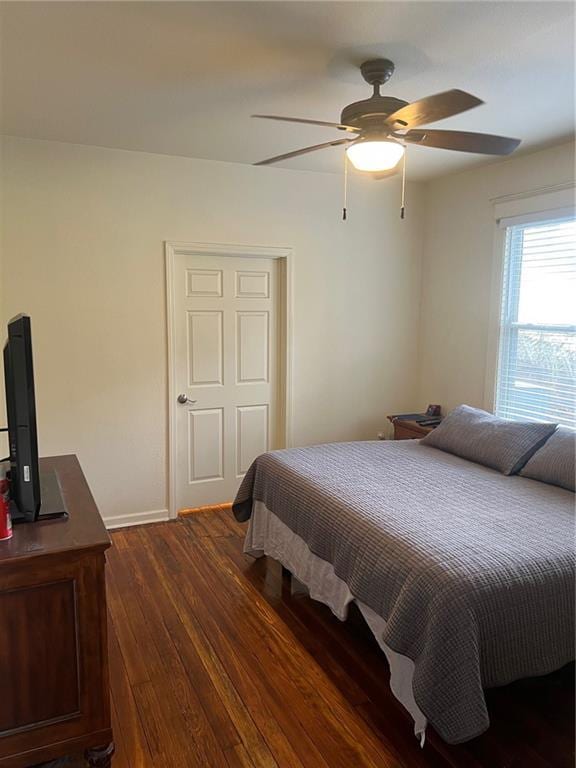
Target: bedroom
(128,154)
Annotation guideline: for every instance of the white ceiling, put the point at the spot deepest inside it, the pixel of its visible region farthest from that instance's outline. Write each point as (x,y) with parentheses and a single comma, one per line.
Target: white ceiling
(183,78)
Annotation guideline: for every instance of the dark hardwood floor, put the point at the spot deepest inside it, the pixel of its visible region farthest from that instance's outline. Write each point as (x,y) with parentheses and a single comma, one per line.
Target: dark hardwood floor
(215,665)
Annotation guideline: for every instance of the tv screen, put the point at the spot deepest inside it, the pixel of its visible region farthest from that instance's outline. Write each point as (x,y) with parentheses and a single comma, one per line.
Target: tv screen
(21,412)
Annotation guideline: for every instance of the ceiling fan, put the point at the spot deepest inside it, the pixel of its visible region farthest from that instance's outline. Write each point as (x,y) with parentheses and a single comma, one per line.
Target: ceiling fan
(382,126)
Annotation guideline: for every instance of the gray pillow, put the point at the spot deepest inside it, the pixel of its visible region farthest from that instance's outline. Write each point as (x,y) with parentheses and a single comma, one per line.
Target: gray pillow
(554,462)
(481,437)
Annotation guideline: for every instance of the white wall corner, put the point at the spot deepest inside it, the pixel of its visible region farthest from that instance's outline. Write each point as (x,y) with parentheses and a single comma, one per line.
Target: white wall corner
(136,518)
(419,394)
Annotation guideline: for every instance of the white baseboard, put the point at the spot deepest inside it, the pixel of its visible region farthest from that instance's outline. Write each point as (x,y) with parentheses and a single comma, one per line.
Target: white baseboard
(137,518)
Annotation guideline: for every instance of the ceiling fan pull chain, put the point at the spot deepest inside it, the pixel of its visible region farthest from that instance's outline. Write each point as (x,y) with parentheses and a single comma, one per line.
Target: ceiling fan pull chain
(345,207)
(403,202)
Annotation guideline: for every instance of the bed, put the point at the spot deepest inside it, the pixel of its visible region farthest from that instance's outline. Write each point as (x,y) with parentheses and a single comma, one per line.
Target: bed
(465,575)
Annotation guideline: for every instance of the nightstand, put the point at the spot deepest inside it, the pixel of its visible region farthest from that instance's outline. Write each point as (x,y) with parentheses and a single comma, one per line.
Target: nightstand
(408,430)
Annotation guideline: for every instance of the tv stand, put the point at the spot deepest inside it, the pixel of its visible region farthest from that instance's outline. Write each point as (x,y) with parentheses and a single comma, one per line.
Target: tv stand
(55,697)
(52,504)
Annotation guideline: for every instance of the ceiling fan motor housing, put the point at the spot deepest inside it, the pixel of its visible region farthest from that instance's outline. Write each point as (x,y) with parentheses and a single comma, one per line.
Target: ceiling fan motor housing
(370,113)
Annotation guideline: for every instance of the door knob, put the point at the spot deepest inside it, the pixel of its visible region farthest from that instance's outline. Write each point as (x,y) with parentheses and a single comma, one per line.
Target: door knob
(184,399)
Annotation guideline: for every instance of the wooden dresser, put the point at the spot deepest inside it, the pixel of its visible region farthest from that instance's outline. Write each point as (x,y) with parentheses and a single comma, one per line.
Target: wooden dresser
(54,692)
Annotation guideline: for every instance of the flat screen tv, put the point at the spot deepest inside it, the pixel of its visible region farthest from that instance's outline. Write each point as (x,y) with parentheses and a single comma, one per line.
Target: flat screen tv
(21,411)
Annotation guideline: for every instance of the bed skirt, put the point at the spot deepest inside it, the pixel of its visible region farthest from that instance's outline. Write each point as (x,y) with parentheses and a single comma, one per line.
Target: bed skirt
(268,535)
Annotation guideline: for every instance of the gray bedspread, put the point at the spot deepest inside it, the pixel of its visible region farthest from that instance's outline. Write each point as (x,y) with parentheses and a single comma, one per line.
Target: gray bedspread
(473,571)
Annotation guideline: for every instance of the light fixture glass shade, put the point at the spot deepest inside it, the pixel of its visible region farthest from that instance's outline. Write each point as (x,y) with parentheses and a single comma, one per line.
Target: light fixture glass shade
(374,155)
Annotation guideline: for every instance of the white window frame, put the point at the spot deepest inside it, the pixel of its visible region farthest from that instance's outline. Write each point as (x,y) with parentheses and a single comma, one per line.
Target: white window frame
(548,203)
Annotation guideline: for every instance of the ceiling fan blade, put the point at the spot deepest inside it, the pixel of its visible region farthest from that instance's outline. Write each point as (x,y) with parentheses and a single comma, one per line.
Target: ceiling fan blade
(304,151)
(462,141)
(433,108)
(339,126)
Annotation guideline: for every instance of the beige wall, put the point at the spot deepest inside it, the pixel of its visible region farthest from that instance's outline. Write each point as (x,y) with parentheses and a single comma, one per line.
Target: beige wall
(83,254)
(457,270)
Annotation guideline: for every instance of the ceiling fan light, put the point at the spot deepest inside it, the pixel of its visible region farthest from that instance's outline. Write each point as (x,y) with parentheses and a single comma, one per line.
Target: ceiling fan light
(374,155)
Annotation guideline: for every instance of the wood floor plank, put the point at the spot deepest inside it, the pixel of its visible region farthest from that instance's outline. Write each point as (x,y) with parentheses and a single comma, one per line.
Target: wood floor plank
(121,750)
(329,713)
(340,667)
(128,730)
(161,611)
(169,743)
(342,654)
(133,658)
(192,730)
(216,522)
(237,692)
(331,727)
(245,665)
(235,528)
(215,664)
(238,757)
(261,699)
(283,605)
(133,614)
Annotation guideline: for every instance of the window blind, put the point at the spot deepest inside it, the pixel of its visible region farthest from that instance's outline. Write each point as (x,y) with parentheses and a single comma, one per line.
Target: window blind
(536,378)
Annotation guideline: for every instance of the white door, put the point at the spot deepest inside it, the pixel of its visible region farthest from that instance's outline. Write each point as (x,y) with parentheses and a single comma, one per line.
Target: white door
(225,328)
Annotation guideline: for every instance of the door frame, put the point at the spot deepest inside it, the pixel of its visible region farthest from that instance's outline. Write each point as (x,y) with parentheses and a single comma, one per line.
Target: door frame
(285,352)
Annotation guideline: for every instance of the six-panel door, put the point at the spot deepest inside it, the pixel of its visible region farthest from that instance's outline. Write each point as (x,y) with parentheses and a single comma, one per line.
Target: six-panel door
(226,363)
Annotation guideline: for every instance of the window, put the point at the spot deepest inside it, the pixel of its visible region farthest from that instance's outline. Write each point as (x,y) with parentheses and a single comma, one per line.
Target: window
(537,356)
